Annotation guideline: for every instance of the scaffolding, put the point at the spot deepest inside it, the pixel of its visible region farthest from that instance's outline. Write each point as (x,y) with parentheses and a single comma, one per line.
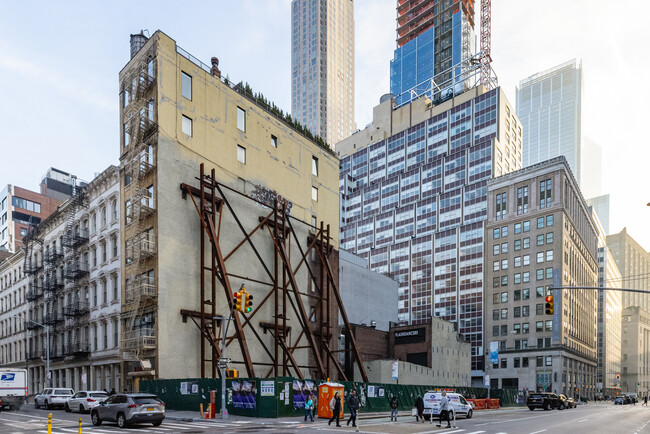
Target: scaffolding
(138,173)
(314,330)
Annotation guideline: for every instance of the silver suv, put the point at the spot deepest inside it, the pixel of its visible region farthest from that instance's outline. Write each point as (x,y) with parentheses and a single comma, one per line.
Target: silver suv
(54,397)
(129,408)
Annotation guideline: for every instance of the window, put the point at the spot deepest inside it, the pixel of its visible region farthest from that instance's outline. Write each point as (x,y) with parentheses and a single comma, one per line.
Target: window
(549,238)
(517,245)
(524,360)
(549,360)
(241,119)
(549,220)
(504,264)
(517,228)
(540,239)
(539,326)
(522,200)
(504,280)
(504,247)
(495,330)
(525,293)
(504,231)
(314,194)
(517,261)
(186,85)
(526,243)
(540,257)
(504,363)
(540,222)
(549,255)
(501,200)
(549,273)
(127,136)
(495,315)
(241,154)
(116,288)
(540,274)
(526,259)
(495,266)
(187,126)
(23,232)
(496,249)
(545,193)
(103,214)
(549,325)
(504,314)
(525,310)
(540,361)
(114,247)
(504,297)
(525,276)
(517,295)
(495,284)
(516,313)
(527,226)
(314,166)
(504,332)
(495,297)
(274,141)
(496,233)
(517,278)
(104,253)
(114,211)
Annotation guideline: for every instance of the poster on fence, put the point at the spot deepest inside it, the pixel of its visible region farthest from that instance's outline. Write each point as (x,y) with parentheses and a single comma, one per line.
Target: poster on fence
(301,391)
(243,394)
(371,391)
(268,388)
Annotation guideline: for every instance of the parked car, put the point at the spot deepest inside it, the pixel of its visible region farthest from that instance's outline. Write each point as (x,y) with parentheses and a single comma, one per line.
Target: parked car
(54,397)
(564,402)
(571,403)
(542,400)
(457,405)
(619,400)
(85,400)
(129,408)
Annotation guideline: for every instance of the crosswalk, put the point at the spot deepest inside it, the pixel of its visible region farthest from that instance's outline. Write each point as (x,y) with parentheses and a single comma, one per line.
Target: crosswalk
(39,425)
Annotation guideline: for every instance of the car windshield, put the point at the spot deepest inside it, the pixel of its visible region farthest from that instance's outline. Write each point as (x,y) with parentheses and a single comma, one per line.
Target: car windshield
(536,396)
(62,391)
(146,400)
(98,395)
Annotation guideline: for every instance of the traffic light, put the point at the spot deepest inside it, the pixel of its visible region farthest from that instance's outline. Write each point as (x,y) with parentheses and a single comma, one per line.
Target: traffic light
(232,373)
(237,301)
(618,376)
(248,302)
(550,305)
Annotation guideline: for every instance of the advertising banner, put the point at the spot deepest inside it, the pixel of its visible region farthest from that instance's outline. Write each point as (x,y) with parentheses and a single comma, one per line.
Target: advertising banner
(494,352)
(243,394)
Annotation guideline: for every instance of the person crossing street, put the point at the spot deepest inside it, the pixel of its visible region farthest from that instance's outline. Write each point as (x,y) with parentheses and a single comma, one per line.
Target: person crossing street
(444,409)
(353,405)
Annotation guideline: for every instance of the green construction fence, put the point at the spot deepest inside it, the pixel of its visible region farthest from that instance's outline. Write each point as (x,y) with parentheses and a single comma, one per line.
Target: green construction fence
(274,397)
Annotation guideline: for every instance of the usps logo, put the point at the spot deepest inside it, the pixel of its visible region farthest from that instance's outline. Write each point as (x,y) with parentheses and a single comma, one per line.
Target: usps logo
(7,377)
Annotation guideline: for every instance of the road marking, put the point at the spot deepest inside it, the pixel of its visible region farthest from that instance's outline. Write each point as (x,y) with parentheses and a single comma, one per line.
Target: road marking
(583,420)
(475,432)
(535,432)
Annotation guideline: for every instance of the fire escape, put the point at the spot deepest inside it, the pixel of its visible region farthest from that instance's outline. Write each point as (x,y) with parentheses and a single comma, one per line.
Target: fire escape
(138,172)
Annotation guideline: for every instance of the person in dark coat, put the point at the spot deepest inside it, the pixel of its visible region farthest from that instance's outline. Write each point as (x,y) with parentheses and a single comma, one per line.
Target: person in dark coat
(353,405)
(419,406)
(393,408)
(335,406)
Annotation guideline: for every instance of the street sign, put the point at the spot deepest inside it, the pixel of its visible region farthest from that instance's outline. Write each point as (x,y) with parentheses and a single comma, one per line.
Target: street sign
(395,370)
(486,381)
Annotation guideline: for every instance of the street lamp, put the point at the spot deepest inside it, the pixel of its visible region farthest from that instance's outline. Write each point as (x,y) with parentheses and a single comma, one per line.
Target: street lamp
(47,349)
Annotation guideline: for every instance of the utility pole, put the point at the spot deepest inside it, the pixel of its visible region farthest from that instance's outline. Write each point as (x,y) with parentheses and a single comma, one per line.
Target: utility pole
(223,362)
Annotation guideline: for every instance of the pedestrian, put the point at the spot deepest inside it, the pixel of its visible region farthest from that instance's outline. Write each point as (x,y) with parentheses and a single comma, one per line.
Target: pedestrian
(125,391)
(353,405)
(645,400)
(335,406)
(113,392)
(309,408)
(444,409)
(419,406)
(393,408)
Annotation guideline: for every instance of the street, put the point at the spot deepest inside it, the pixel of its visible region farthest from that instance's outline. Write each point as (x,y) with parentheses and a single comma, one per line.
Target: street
(593,418)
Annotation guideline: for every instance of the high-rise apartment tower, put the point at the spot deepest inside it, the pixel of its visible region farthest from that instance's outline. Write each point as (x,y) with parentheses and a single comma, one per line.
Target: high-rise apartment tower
(322,66)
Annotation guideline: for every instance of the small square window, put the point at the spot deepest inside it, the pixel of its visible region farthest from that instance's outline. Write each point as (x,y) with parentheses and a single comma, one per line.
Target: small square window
(241,154)
(241,119)
(274,141)
(314,194)
(186,85)
(549,220)
(314,166)
(187,125)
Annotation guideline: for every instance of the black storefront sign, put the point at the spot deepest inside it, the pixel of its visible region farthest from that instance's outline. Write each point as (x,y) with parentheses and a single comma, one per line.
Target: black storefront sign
(410,336)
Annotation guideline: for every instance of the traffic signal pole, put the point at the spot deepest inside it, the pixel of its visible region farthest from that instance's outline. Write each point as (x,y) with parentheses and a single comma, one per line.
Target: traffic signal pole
(223,362)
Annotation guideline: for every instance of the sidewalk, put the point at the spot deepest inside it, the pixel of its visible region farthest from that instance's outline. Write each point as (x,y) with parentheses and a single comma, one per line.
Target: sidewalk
(194,416)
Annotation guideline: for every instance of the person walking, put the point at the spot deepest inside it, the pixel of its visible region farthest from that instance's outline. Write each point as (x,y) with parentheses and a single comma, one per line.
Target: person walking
(419,406)
(309,408)
(335,406)
(444,409)
(393,408)
(645,400)
(353,405)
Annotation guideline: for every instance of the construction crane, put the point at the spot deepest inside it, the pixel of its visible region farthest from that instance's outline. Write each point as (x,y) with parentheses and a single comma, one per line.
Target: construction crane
(486,41)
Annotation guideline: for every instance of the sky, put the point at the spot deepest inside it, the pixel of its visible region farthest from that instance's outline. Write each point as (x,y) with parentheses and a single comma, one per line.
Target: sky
(59,65)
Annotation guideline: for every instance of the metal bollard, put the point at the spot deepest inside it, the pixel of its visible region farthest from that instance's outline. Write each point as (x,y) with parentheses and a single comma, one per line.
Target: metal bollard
(79,425)
(201,409)
(49,423)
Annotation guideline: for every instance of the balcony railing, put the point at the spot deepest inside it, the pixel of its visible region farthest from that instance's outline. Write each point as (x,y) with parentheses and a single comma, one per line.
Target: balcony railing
(53,318)
(142,287)
(74,238)
(52,257)
(140,339)
(76,348)
(31,325)
(77,308)
(76,271)
(33,268)
(35,354)
(33,293)
(53,284)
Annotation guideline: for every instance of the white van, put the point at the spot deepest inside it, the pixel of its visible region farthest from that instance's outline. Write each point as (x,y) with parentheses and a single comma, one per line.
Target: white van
(458,406)
(13,387)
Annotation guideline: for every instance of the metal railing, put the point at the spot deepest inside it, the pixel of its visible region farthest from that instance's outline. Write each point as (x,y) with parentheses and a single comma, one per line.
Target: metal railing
(140,339)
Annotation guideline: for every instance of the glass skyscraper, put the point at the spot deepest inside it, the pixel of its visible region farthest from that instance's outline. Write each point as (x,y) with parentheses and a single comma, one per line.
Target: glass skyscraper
(432,36)
(414,202)
(549,105)
(322,67)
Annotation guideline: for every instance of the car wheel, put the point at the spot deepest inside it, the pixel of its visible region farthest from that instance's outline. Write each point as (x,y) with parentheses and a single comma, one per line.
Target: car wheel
(36,406)
(82,410)
(157,423)
(469,414)
(95,419)
(546,407)
(47,405)
(561,407)
(121,421)
(67,408)
(531,408)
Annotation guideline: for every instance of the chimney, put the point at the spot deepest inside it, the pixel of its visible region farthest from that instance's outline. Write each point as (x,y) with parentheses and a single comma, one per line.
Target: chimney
(216,72)
(137,42)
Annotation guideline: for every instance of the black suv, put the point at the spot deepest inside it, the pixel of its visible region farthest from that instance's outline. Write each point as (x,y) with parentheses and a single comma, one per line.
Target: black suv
(544,400)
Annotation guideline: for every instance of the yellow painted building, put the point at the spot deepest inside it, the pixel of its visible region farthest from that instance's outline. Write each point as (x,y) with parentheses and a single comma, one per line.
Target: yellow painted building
(177,113)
